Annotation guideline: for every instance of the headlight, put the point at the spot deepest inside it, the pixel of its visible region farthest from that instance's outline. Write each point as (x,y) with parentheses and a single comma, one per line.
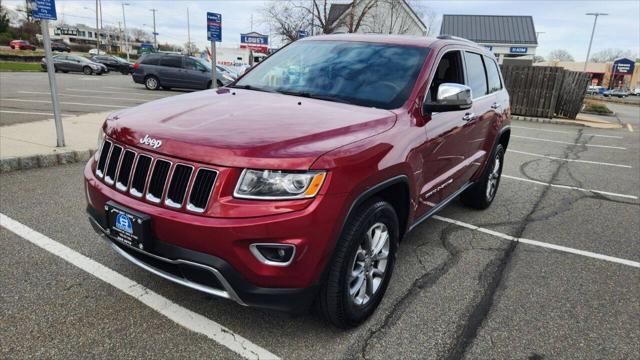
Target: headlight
(278,185)
(95,67)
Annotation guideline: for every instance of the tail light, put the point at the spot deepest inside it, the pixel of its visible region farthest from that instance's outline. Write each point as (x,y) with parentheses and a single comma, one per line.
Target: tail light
(136,66)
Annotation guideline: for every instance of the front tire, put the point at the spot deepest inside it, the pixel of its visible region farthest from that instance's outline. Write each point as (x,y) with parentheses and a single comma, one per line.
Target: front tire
(481,194)
(362,265)
(151,83)
(87,70)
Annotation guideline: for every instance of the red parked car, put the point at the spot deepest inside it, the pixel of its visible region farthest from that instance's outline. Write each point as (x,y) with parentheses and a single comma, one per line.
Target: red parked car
(21,45)
(295,184)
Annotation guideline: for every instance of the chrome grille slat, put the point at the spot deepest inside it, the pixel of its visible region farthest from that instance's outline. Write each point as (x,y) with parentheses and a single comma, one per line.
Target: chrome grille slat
(112,165)
(158,180)
(140,175)
(201,190)
(126,167)
(104,154)
(178,186)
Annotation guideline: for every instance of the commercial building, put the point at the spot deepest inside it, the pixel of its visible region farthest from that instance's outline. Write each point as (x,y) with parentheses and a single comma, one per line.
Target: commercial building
(111,40)
(512,39)
(620,73)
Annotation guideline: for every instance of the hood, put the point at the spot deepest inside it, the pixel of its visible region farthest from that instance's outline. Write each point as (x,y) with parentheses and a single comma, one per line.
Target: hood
(244,128)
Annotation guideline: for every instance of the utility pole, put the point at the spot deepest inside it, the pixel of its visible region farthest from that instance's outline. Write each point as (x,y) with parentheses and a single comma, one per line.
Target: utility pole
(155,33)
(97,29)
(126,34)
(188,33)
(595,19)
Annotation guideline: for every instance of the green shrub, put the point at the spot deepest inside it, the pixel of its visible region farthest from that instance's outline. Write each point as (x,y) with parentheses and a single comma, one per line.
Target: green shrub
(596,107)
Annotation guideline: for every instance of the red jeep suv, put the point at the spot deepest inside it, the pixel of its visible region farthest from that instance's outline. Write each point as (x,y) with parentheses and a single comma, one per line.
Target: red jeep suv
(294,185)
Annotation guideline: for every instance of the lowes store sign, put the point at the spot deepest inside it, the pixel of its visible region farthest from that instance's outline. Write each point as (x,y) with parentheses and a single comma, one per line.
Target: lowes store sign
(254,39)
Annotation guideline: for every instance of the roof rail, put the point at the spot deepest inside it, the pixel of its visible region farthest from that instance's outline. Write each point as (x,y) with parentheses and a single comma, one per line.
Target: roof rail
(451,37)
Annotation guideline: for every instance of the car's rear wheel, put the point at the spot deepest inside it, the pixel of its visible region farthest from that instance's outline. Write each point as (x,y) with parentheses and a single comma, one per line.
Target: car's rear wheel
(87,70)
(362,265)
(481,194)
(151,82)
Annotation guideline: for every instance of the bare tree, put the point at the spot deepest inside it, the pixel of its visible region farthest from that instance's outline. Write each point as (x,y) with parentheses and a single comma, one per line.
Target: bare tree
(538,59)
(286,18)
(606,55)
(560,55)
(356,14)
(139,35)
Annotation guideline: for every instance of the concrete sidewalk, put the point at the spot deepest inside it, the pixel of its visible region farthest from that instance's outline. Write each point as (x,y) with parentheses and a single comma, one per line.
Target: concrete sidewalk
(33,144)
(588,120)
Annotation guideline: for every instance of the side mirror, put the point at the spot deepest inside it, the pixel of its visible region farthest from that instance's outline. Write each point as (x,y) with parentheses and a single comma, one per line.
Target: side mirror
(450,97)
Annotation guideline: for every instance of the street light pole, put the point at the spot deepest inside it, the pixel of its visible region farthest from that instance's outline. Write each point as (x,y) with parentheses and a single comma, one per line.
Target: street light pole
(595,19)
(126,35)
(155,33)
(188,33)
(97,29)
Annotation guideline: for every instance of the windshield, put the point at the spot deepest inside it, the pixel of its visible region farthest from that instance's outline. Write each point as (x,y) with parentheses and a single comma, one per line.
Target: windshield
(360,73)
(119,59)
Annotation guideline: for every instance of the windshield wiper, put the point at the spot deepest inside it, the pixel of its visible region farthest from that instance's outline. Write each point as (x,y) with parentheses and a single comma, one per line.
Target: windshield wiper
(250,87)
(315,96)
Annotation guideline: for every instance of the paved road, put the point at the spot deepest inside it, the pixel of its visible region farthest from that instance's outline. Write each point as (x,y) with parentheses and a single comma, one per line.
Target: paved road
(25,97)
(458,292)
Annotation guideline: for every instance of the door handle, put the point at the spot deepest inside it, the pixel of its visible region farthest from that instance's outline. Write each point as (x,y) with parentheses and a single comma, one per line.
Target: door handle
(469,116)
(496,105)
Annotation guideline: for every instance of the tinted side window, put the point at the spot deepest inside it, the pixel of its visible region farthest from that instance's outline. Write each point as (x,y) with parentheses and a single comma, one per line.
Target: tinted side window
(171,61)
(493,75)
(476,76)
(150,60)
(449,71)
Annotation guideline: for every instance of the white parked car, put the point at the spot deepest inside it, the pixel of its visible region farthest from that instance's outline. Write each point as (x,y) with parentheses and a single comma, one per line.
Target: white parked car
(636,91)
(95,52)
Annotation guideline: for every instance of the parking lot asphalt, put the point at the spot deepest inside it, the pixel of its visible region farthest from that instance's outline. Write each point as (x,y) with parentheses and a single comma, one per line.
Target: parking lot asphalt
(463,288)
(25,97)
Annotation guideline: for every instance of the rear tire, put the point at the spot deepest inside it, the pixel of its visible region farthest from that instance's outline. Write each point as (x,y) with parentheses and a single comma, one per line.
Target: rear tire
(481,194)
(87,70)
(151,82)
(362,265)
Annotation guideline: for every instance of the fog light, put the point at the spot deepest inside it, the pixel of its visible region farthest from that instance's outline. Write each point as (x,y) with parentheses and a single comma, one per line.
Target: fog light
(273,254)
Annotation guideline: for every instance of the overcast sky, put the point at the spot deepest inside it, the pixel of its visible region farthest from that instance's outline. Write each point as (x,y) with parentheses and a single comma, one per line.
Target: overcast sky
(563,23)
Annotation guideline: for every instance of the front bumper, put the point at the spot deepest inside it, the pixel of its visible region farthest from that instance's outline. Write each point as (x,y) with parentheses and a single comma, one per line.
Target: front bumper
(206,273)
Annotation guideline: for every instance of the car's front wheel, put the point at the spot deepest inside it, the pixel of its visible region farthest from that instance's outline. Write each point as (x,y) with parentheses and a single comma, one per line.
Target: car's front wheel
(481,194)
(362,265)
(87,70)
(151,82)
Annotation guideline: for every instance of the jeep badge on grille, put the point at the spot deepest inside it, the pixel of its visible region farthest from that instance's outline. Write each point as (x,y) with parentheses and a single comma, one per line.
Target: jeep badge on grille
(154,143)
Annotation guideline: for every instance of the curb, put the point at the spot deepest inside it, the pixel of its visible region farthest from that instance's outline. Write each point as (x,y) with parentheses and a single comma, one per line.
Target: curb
(546,121)
(41,161)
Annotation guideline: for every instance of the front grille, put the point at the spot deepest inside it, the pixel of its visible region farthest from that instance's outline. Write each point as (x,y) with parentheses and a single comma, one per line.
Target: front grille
(201,190)
(155,179)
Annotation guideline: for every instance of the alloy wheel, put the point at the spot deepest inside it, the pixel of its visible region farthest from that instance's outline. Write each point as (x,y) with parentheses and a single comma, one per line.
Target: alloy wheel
(369,265)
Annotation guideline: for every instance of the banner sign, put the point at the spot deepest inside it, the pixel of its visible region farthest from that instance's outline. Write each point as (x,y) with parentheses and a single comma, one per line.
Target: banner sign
(44,9)
(255,41)
(214,27)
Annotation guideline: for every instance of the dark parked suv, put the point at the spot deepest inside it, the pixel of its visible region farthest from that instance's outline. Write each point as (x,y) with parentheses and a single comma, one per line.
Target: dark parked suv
(296,184)
(175,71)
(114,63)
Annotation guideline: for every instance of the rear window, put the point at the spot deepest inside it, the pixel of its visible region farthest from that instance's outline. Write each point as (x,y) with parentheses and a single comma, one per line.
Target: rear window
(150,60)
(171,61)
(476,77)
(493,75)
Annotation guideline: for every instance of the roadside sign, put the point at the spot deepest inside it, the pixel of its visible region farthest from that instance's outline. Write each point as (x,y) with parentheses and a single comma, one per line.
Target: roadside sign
(623,66)
(302,34)
(255,41)
(214,27)
(43,9)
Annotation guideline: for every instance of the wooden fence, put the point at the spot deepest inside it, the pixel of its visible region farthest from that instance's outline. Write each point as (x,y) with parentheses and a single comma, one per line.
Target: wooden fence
(545,91)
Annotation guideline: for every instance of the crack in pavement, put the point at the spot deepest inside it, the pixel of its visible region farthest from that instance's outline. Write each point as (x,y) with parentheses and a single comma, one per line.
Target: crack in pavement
(495,271)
